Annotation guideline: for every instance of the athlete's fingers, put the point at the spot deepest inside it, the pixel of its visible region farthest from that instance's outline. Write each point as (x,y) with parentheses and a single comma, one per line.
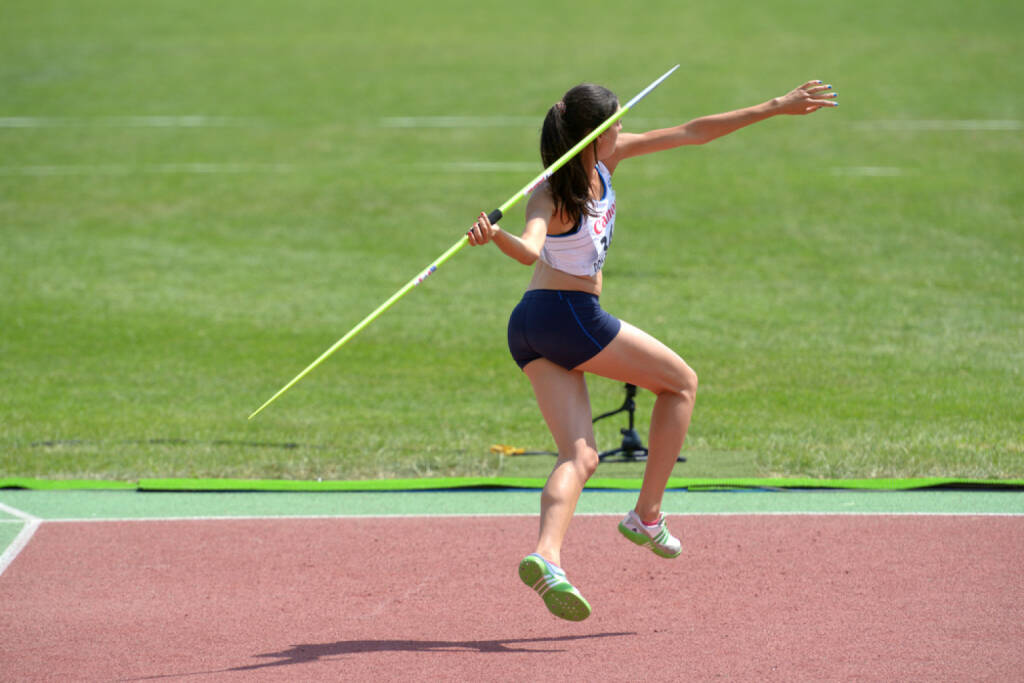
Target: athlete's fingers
(480,233)
(825,103)
(483,228)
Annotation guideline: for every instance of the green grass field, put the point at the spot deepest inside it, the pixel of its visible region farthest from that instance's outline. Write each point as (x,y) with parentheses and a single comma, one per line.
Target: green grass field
(197,199)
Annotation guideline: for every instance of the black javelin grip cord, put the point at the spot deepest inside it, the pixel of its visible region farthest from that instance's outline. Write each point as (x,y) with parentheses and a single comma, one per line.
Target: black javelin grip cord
(494,216)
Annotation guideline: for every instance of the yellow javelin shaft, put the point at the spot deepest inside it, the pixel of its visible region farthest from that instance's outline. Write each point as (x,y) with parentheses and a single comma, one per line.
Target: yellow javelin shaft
(494,217)
(365,322)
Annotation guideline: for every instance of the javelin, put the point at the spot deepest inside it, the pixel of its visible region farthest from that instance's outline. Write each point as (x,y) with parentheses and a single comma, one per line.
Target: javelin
(493,216)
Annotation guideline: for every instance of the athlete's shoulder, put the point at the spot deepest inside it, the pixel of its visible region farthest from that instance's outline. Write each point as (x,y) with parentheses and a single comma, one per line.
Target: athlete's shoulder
(541,198)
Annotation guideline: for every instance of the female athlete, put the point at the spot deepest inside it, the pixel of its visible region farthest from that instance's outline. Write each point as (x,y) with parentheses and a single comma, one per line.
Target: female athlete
(558,331)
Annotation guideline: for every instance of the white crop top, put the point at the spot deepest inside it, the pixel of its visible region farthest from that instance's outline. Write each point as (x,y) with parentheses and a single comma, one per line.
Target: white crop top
(582,250)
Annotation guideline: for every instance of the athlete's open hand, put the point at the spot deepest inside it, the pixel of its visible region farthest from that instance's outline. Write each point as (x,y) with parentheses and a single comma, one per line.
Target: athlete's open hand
(482,231)
(809,97)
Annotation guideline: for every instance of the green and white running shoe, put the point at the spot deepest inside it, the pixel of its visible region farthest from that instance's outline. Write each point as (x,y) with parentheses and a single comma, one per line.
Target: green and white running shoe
(657,538)
(560,596)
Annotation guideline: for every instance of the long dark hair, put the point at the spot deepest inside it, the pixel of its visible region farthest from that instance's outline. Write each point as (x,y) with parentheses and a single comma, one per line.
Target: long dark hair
(581,110)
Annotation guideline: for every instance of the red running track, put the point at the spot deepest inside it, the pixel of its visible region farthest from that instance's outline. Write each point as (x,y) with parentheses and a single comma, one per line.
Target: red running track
(778,598)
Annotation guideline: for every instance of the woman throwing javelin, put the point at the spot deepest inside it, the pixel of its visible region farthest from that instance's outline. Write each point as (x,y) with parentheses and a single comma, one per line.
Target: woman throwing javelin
(558,331)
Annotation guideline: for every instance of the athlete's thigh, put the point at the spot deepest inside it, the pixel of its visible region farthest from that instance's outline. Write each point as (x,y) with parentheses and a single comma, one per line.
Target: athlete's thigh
(638,358)
(565,404)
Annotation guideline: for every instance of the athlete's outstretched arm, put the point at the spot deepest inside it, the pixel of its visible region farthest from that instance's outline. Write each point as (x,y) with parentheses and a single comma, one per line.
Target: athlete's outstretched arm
(807,98)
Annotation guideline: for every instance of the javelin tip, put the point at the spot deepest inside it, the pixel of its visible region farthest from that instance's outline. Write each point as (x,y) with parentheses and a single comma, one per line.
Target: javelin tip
(646,91)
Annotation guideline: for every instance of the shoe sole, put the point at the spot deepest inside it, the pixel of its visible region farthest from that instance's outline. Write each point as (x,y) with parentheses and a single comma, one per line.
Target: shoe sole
(564,601)
(648,542)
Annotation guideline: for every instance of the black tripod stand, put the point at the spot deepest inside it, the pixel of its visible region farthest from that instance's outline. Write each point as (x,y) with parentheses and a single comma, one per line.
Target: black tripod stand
(632,448)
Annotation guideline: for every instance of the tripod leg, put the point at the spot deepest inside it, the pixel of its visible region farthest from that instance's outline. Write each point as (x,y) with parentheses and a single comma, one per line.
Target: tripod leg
(632,448)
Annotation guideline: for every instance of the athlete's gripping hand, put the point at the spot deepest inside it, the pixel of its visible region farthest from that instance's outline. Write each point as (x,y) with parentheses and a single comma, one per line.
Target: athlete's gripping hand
(482,231)
(809,97)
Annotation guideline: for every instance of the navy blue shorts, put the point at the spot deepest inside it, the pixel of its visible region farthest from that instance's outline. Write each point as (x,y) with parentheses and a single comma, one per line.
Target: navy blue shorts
(566,327)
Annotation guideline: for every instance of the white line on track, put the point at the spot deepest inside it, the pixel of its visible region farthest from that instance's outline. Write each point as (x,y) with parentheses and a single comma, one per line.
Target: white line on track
(31,523)
(258,518)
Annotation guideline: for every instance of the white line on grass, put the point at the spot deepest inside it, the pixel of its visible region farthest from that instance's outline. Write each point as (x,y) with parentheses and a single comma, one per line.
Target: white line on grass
(31,523)
(943,124)
(208,168)
(485,166)
(499,121)
(869,171)
(495,121)
(459,121)
(189,121)
(187,168)
(200,168)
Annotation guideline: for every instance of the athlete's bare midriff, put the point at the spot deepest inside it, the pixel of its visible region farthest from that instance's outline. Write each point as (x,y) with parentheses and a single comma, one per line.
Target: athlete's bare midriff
(546,277)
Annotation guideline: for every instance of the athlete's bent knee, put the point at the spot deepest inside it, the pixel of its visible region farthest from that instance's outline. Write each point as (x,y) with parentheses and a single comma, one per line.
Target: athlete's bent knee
(691,382)
(584,459)
(683,383)
(588,461)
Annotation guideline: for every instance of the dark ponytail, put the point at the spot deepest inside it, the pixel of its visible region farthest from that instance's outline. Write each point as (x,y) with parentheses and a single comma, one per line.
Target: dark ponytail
(581,110)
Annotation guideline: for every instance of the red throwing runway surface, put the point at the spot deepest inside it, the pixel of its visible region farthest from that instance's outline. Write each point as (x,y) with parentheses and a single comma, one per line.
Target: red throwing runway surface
(786,598)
